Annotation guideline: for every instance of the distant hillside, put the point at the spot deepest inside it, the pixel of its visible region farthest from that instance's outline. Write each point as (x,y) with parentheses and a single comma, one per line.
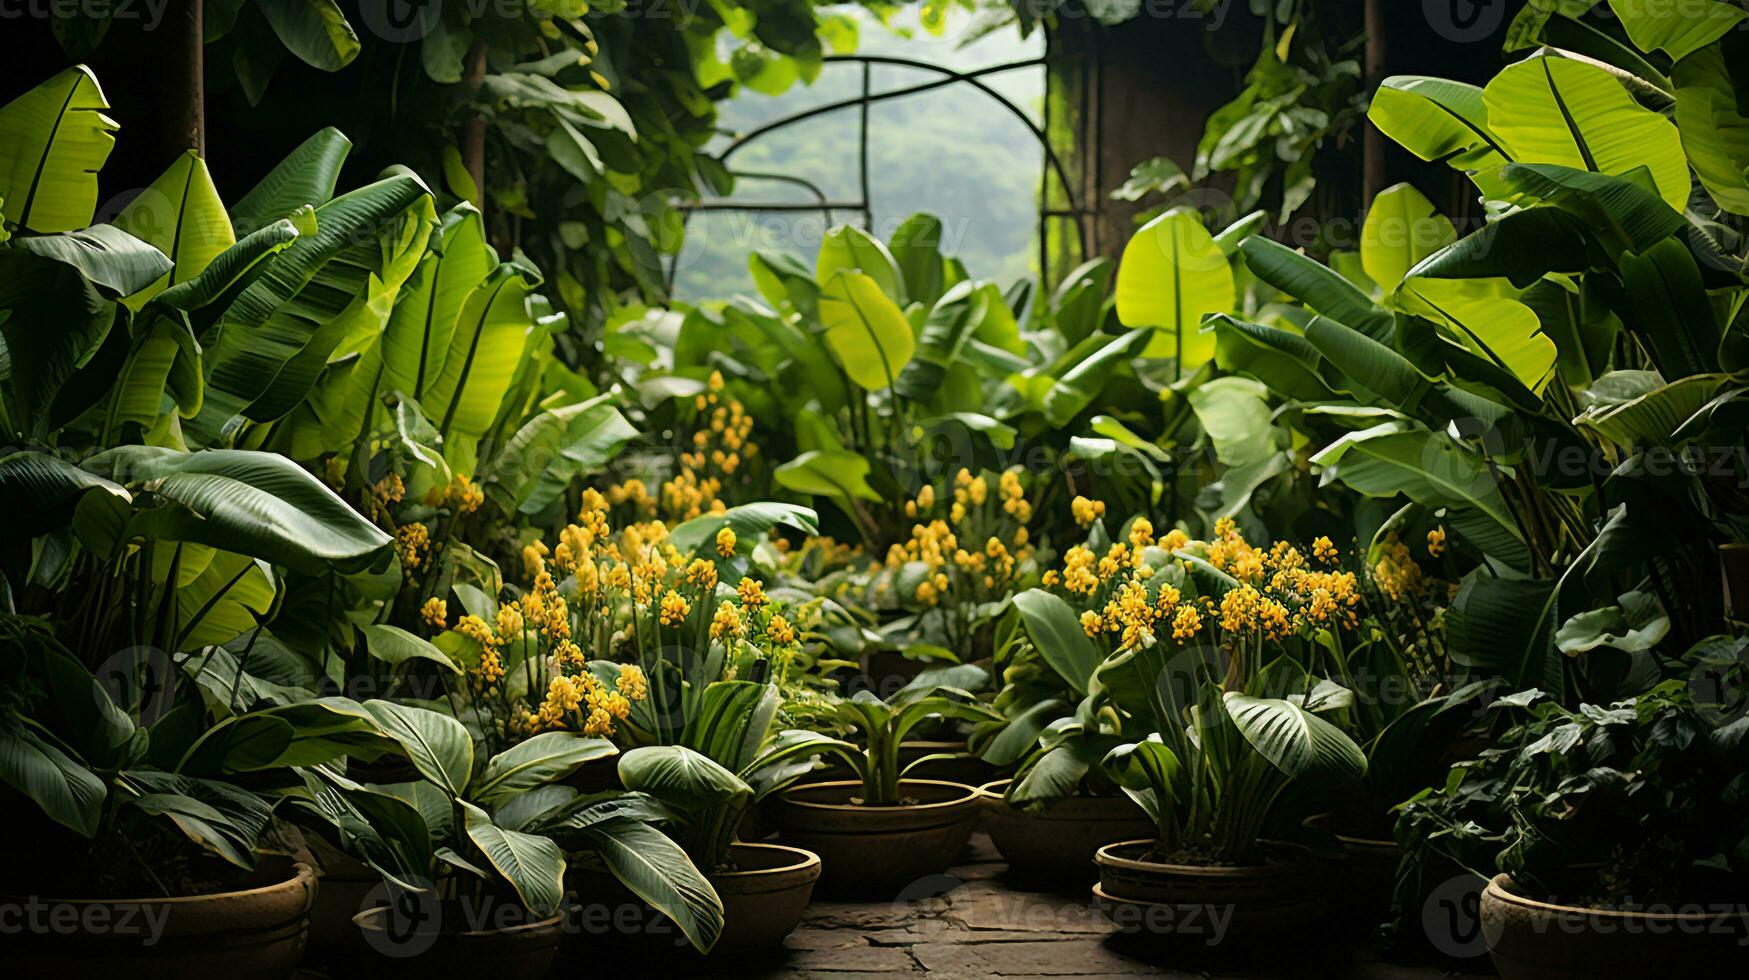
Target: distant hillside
(952,151)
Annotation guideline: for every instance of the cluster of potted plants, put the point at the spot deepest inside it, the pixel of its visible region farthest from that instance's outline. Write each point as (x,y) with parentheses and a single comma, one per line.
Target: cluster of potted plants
(341,630)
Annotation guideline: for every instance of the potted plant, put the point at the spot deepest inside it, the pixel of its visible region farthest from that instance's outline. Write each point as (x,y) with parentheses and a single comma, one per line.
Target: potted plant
(709,738)
(882,829)
(1610,836)
(1212,661)
(473,854)
(152,809)
(763,887)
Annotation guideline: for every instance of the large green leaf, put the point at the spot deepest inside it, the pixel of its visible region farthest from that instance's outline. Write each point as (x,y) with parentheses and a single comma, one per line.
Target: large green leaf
(53,141)
(1082,383)
(1676,31)
(535,762)
(220,595)
(485,350)
(1387,460)
(1236,415)
(532,864)
(1652,419)
(1522,246)
(257,504)
(681,777)
(1566,112)
(394,646)
(1436,119)
(58,314)
(836,474)
(314,30)
(416,340)
(276,337)
(1285,361)
(554,448)
(1316,285)
(1504,627)
(1402,228)
(950,325)
(1622,213)
(1715,131)
(438,745)
(866,330)
(750,522)
(916,249)
(1666,304)
(658,871)
(847,248)
(304,179)
(181,215)
(68,793)
(1172,275)
(1488,318)
(1056,634)
(1295,740)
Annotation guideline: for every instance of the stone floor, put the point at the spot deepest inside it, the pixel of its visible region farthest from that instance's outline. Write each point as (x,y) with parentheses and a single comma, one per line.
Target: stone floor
(973,922)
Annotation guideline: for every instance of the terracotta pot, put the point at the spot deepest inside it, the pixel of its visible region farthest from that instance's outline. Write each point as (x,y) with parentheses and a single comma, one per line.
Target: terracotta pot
(524,951)
(878,848)
(1367,875)
(255,932)
(1206,905)
(1058,842)
(764,898)
(1541,940)
(342,895)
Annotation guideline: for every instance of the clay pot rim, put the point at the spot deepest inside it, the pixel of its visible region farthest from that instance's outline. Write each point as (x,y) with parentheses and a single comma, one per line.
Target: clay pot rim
(808,859)
(302,875)
(972,795)
(366,919)
(1500,889)
(1304,862)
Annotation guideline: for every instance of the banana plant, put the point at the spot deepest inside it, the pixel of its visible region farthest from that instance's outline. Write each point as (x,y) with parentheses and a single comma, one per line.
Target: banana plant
(149,774)
(1530,381)
(503,822)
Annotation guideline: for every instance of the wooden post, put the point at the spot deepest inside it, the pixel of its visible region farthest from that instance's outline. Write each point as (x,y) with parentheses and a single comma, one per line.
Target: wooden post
(472,137)
(1373,168)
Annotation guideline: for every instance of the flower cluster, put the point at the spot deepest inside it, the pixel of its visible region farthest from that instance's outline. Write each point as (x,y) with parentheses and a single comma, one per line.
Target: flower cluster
(1140,589)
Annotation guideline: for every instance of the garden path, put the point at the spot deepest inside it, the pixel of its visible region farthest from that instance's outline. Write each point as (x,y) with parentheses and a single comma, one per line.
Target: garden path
(985,926)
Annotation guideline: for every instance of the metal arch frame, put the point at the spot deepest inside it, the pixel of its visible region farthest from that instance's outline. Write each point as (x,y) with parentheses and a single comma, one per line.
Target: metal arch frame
(868,97)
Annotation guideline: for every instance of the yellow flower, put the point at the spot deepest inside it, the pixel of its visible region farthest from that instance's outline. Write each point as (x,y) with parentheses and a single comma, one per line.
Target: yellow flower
(926,498)
(509,622)
(1323,550)
(726,542)
(1436,541)
(632,682)
(716,381)
(475,628)
(1141,533)
(1174,540)
(491,668)
(1091,623)
(779,631)
(674,609)
(751,592)
(412,541)
(726,623)
(464,495)
(1086,511)
(1186,623)
(389,489)
(435,612)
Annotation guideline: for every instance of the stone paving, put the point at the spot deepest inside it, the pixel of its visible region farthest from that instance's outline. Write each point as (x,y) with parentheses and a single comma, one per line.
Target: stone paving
(974,922)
